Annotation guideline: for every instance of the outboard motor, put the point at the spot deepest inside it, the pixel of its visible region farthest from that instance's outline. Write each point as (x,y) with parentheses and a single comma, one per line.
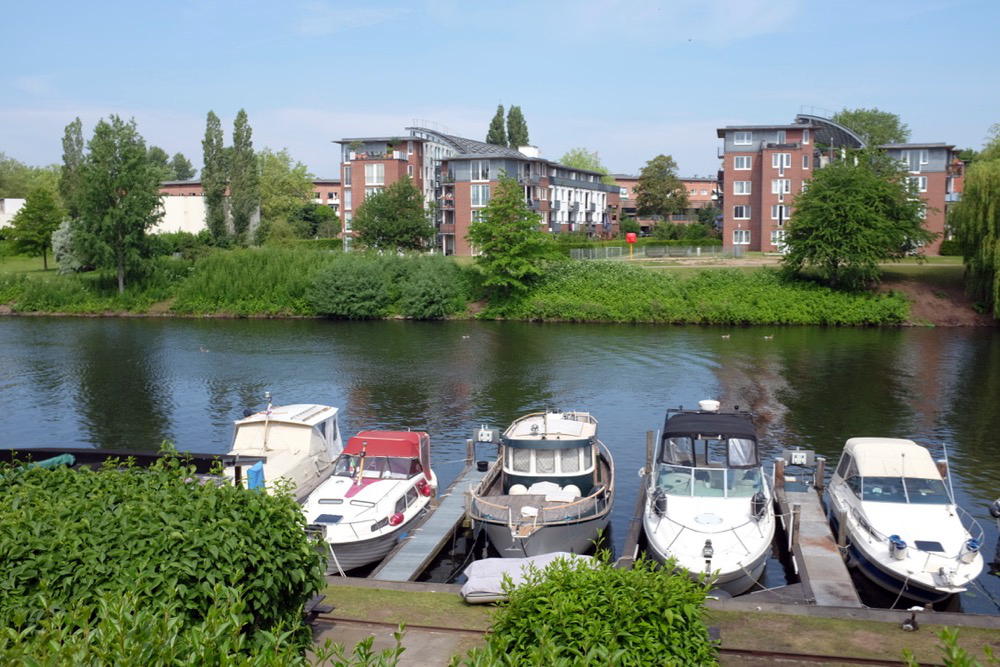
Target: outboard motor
(758,505)
(660,504)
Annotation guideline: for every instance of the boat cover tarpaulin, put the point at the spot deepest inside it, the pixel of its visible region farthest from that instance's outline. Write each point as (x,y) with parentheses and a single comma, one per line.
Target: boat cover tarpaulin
(891,457)
(732,425)
(485,577)
(404,444)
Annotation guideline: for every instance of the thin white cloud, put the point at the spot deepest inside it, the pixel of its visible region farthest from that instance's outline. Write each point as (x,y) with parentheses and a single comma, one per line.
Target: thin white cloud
(325,18)
(39,84)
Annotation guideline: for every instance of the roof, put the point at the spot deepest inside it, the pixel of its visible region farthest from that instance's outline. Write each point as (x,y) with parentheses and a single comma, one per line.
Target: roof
(396,138)
(729,424)
(721,132)
(307,414)
(404,444)
(904,146)
(316,181)
(891,457)
(831,132)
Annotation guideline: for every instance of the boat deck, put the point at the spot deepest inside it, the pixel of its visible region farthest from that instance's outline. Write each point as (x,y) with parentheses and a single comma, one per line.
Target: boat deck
(412,555)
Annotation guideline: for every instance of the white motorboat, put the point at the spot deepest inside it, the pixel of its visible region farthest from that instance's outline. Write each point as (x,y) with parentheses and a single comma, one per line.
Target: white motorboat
(297,443)
(550,489)
(709,505)
(889,501)
(381,484)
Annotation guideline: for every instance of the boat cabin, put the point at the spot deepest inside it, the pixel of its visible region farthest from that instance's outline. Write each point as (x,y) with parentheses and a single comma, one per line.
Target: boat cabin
(303,429)
(385,455)
(709,454)
(551,447)
(890,470)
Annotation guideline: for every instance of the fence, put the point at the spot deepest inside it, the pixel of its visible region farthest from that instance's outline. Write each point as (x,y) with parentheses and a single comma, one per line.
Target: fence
(653,252)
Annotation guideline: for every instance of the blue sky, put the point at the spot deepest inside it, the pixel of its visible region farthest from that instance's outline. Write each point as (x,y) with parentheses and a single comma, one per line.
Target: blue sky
(625,78)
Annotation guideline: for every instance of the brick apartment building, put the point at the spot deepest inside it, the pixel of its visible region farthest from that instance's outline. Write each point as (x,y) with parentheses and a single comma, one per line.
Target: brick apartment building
(765,166)
(458,175)
(702,193)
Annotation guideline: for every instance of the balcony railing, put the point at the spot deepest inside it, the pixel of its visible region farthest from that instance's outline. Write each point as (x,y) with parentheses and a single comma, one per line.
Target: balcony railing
(556,205)
(574,206)
(591,207)
(376,155)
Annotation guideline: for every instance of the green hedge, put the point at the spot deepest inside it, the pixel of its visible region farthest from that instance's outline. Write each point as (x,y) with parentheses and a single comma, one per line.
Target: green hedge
(73,540)
(599,291)
(950,248)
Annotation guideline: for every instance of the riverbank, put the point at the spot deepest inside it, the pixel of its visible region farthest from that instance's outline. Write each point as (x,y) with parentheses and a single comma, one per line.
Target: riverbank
(283,283)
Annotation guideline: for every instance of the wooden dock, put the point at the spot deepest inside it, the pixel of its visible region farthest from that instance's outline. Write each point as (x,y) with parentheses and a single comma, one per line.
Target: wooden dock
(413,554)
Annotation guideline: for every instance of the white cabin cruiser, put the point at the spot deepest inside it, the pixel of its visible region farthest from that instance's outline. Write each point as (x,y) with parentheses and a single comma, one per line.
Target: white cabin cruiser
(709,505)
(298,443)
(550,489)
(380,486)
(902,527)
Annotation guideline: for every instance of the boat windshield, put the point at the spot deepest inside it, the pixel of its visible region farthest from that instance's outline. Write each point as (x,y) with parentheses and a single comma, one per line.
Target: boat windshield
(911,490)
(377,467)
(719,451)
(708,482)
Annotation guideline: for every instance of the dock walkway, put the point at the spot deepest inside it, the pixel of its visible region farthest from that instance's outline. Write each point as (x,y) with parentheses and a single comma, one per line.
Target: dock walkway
(412,555)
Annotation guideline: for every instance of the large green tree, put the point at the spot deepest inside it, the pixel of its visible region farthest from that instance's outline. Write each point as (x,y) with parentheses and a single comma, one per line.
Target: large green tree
(161,161)
(119,198)
(991,148)
(497,135)
(517,128)
(659,191)
(875,127)
(394,219)
(214,179)
(581,158)
(182,167)
(511,244)
(244,179)
(69,176)
(976,221)
(285,188)
(18,179)
(34,223)
(858,212)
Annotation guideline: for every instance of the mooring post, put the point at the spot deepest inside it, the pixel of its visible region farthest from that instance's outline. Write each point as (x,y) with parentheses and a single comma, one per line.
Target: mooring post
(841,529)
(470,451)
(649,452)
(820,480)
(779,473)
(796,512)
(942,466)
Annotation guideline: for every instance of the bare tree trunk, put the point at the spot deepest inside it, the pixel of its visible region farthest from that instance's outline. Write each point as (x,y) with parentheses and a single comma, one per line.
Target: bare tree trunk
(121,273)
(45,259)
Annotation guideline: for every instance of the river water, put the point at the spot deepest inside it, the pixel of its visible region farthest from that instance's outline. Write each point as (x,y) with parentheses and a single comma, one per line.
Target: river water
(131,383)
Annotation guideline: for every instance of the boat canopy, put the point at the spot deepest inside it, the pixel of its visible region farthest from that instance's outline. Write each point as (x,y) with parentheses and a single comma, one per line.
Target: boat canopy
(552,430)
(709,439)
(891,457)
(400,444)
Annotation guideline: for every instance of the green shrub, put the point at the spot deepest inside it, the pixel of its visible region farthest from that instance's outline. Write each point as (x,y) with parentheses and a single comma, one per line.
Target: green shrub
(74,538)
(950,248)
(11,288)
(321,244)
(432,289)
(65,294)
(581,613)
(355,286)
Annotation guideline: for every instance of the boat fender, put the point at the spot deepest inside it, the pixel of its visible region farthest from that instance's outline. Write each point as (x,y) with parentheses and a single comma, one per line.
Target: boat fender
(995,509)
(396,519)
(969,551)
(897,547)
(758,504)
(424,488)
(660,503)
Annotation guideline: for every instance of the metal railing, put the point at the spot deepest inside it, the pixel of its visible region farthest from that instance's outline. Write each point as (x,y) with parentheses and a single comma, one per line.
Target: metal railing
(654,252)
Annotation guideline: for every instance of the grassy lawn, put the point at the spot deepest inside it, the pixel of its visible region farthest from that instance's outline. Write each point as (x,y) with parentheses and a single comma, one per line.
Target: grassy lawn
(21,264)
(935,274)
(410,607)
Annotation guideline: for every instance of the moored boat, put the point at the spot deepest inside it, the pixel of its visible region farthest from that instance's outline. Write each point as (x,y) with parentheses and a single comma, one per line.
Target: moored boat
(381,484)
(709,505)
(297,443)
(890,503)
(550,489)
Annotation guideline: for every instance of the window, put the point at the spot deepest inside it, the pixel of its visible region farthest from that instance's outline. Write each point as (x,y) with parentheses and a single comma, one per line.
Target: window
(918,183)
(375,174)
(347,199)
(370,191)
(778,238)
(623,192)
(330,195)
(741,187)
(743,138)
(782,137)
(409,170)
(741,162)
(781,213)
(741,212)
(704,193)
(779,160)
(781,186)
(569,459)
(409,148)
(348,217)
(805,161)
(480,194)
(476,216)
(347,175)
(805,136)
(741,237)
(924,157)
(480,170)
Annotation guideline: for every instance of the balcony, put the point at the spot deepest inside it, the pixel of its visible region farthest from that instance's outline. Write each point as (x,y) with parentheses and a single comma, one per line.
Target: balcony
(794,145)
(574,206)
(448,203)
(952,196)
(446,228)
(591,207)
(556,205)
(375,155)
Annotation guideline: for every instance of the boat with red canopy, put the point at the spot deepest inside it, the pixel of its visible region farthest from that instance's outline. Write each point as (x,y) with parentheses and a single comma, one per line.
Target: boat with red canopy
(381,484)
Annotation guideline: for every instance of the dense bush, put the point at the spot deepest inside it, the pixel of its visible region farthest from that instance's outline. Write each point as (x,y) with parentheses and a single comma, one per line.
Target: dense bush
(73,540)
(432,289)
(188,245)
(950,248)
(616,292)
(263,281)
(580,613)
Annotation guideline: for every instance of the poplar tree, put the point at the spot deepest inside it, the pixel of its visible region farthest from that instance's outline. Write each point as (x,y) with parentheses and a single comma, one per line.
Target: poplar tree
(69,176)
(244,179)
(119,198)
(213,179)
(517,128)
(496,134)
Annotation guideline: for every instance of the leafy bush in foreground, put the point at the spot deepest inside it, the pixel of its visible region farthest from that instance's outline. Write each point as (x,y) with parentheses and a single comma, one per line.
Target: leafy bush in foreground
(583,613)
(615,292)
(72,539)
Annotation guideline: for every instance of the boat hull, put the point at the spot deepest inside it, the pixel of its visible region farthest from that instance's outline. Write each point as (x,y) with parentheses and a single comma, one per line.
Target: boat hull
(352,555)
(577,537)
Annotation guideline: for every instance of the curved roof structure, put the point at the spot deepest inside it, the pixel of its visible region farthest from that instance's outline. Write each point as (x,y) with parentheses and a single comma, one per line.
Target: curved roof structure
(830,132)
(404,444)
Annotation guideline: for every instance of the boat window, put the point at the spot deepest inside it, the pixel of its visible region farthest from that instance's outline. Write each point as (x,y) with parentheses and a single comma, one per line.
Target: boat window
(926,491)
(742,452)
(743,483)
(346,465)
(678,451)
(883,489)
(854,484)
(673,480)
(411,496)
(845,461)
(400,504)
(709,482)
(545,461)
(400,468)
(569,460)
(521,460)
